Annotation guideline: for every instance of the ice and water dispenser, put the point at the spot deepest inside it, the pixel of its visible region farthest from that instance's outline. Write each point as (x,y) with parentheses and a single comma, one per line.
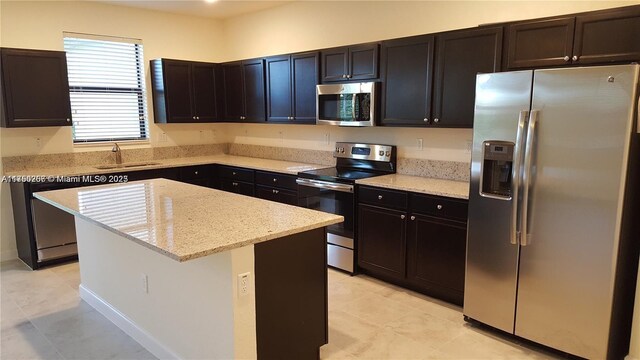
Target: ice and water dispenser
(497,165)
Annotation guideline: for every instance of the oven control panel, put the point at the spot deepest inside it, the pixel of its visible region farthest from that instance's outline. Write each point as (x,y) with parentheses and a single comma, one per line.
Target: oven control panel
(365,151)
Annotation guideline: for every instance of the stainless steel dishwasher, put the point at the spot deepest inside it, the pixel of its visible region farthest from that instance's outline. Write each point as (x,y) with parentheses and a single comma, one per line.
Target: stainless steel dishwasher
(54,229)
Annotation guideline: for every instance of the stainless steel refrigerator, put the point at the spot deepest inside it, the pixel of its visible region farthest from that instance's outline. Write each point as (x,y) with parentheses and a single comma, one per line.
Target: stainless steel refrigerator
(552,247)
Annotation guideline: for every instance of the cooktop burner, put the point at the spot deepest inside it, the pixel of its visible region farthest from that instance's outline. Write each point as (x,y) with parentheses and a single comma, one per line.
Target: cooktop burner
(335,174)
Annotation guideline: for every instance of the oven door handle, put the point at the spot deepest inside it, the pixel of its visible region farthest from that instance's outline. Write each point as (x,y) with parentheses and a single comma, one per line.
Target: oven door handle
(325,185)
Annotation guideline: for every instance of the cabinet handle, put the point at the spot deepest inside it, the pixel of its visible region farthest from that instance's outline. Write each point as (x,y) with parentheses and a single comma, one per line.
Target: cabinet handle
(344,76)
(195,172)
(439,207)
(348,76)
(413,217)
(379,197)
(197,117)
(275,180)
(566,58)
(234,183)
(436,120)
(575,58)
(275,191)
(426,119)
(193,117)
(233,173)
(402,217)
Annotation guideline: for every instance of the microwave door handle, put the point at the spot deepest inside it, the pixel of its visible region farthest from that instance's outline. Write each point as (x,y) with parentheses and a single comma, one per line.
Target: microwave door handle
(516,172)
(525,238)
(353,107)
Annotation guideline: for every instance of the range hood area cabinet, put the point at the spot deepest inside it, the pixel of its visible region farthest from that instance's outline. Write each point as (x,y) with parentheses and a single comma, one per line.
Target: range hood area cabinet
(244,91)
(183,91)
(593,38)
(291,88)
(430,80)
(350,63)
(34,77)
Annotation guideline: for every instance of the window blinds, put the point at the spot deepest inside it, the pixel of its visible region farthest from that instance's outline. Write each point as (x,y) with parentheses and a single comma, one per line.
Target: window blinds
(107,88)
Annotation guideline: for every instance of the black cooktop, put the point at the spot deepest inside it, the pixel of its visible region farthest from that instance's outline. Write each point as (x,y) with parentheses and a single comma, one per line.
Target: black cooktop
(336,174)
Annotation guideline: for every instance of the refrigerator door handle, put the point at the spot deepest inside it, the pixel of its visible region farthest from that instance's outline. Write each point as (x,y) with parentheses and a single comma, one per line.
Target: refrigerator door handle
(525,238)
(516,172)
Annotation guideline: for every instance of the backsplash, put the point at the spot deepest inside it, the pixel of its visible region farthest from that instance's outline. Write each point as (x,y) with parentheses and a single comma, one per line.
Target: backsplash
(47,161)
(449,170)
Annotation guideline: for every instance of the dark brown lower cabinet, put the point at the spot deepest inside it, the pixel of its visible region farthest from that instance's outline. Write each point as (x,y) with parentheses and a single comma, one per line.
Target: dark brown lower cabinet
(381,243)
(436,251)
(420,245)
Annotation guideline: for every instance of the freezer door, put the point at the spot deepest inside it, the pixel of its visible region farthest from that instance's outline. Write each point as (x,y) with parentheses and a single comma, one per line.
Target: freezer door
(502,100)
(578,169)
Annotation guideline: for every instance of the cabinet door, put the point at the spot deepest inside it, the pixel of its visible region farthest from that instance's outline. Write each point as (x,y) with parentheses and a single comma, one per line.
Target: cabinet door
(204,92)
(233,91)
(460,56)
(608,37)
(540,43)
(363,62)
(279,89)
(335,64)
(254,94)
(304,73)
(35,77)
(407,68)
(381,241)
(178,91)
(436,251)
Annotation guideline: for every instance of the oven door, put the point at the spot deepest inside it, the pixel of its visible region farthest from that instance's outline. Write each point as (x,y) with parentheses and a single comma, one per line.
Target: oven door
(337,199)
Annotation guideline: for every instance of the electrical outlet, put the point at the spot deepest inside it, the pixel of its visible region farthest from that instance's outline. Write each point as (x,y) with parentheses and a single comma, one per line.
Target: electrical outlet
(144,283)
(469,146)
(243,284)
(38,143)
(202,135)
(281,136)
(327,138)
(163,137)
(420,144)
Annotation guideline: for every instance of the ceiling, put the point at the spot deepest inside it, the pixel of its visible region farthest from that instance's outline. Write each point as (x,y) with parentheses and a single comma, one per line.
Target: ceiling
(221,9)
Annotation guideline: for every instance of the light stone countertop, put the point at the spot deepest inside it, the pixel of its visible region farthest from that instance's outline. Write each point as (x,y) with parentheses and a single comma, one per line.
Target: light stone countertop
(285,167)
(440,187)
(184,221)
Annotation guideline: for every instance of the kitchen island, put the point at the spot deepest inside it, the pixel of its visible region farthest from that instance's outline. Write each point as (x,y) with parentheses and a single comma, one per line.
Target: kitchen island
(192,272)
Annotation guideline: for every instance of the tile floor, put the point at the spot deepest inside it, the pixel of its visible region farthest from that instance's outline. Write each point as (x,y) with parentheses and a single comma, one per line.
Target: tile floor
(42,317)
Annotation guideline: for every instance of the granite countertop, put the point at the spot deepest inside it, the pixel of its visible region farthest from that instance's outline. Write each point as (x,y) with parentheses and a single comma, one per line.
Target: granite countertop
(184,221)
(279,166)
(448,188)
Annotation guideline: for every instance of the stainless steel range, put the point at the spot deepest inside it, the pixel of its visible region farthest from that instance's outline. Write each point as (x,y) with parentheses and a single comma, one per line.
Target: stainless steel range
(331,190)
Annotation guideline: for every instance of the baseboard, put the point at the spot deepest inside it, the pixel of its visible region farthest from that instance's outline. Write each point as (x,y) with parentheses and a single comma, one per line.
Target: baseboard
(125,324)
(8,255)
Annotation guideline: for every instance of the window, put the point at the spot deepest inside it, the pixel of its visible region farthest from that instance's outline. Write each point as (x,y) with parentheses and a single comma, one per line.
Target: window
(107,88)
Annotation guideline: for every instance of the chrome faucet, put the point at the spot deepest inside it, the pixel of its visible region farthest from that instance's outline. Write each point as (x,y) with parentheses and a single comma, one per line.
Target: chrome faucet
(116,149)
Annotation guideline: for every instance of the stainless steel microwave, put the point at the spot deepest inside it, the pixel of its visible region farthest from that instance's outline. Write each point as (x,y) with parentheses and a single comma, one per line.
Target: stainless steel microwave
(352,104)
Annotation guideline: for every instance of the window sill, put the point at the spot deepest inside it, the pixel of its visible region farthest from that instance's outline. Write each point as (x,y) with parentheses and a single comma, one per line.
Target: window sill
(123,143)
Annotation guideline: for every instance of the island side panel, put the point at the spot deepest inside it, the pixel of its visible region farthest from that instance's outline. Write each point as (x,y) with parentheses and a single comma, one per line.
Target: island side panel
(291,296)
(188,311)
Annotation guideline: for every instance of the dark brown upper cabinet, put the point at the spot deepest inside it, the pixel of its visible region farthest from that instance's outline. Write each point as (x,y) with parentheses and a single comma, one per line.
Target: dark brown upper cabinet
(460,56)
(540,43)
(597,37)
(357,62)
(244,91)
(406,70)
(35,88)
(608,36)
(291,88)
(183,91)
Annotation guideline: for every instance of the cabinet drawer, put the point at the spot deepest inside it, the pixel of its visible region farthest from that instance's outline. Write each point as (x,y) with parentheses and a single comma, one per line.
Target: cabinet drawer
(195,172)
(383,197)
(237,187)
(439,206)
(235,173)
(276,180)
(273,194)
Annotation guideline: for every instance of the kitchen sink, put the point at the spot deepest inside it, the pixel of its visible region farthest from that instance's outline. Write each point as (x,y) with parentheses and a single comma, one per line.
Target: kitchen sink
(126,165)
